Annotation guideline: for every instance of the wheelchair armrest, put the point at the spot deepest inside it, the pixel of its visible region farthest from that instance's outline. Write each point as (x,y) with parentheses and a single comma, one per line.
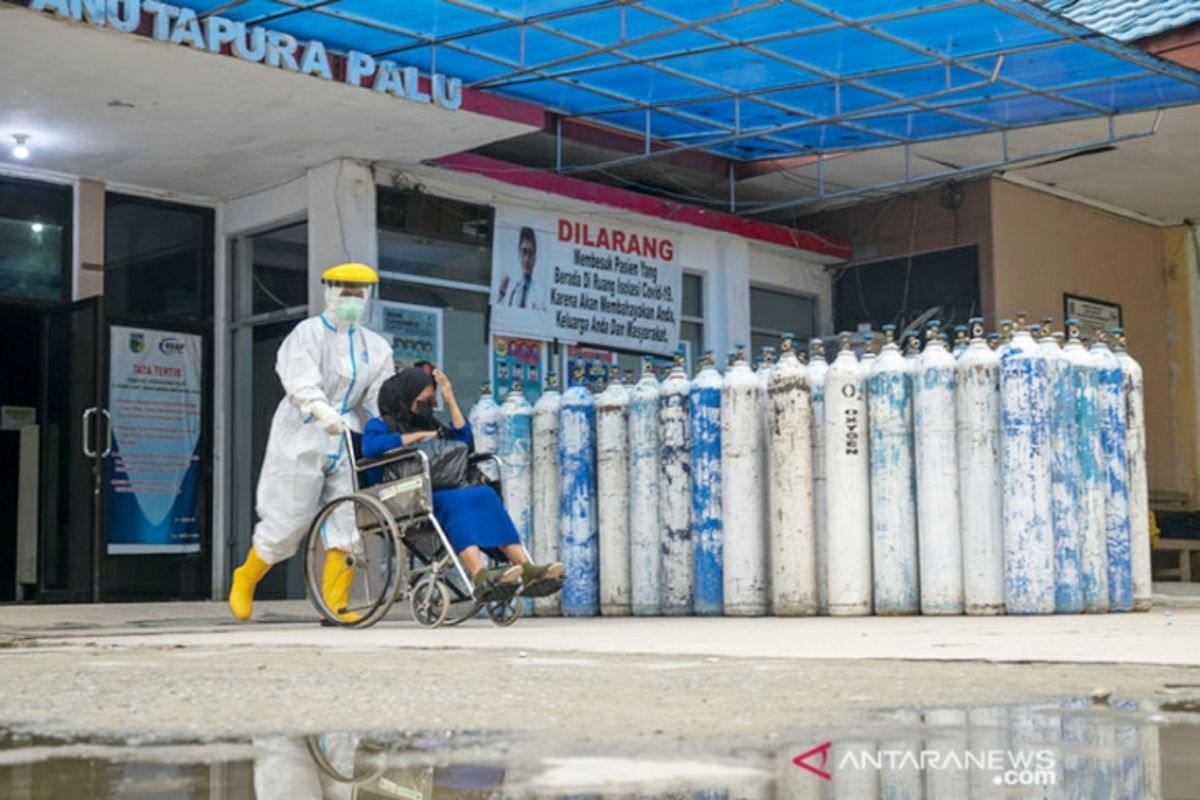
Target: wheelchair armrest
(393,456)
(475,458)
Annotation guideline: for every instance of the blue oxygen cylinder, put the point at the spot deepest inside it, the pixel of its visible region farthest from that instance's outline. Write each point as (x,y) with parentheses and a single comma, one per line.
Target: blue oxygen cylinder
(1116,470)
(1089,456)
(515,427)
(815,370)
(612,487)
(705,418)
(893,486)
(1025,461)
(644,536)
(578,522)
(936,459)
(977,403)
(675,491)
(1139,492)
(546,547)
(1064,477)
(483,417)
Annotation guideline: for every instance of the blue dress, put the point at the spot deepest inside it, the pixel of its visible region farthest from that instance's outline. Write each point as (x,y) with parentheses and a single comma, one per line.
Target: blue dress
(472,515)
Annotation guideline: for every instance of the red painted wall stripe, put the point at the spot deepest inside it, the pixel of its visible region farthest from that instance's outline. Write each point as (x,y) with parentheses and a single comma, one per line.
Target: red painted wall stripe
(577,189)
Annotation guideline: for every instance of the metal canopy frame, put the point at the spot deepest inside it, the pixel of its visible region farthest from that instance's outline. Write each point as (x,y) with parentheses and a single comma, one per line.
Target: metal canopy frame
(756,80)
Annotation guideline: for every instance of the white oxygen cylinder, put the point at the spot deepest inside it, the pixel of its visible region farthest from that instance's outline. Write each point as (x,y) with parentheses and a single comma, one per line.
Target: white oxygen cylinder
(743,495)
(515,427)
(793,554)
(815,372)
(612,489)
(978,419)
(1089,455)
(1064,476)
(484,416)
(847,471)
(893,482)
(938,513)
(1139,494)
(545,488)
(675,492)
(644,535)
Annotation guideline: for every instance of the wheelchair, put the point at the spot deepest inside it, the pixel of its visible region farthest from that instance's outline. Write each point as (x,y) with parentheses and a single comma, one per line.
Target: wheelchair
(401,551)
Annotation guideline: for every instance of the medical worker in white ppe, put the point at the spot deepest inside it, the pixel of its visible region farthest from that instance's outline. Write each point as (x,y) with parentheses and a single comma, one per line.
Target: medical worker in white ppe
(331,368)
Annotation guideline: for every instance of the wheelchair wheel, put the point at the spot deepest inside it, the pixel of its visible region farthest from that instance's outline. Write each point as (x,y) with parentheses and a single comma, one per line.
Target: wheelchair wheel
(376,561)
(430,601)
(369,760)
(506,612)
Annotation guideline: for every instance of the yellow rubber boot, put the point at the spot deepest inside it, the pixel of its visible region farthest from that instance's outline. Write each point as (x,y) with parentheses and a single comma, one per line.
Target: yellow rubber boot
(335,584)
(245,578)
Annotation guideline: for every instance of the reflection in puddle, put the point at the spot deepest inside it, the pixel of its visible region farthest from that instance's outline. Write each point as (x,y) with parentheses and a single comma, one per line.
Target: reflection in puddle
(1069,749)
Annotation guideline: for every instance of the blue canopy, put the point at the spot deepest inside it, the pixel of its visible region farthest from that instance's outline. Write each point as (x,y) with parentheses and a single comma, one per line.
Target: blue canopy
(756,79)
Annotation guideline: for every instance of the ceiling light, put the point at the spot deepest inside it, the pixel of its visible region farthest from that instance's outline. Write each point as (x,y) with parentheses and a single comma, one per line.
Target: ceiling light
(37,227)
(20,151)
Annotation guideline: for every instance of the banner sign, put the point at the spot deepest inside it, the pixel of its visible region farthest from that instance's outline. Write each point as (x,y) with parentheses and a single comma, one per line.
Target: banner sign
(584,281)
(516,359)
(154,467)
(414,331)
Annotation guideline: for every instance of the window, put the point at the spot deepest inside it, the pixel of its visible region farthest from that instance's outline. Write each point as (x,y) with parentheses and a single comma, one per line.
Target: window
(279,272)
(774,313)
(691,324)
(902,290)
(35,240)
(158,258)
(437,254)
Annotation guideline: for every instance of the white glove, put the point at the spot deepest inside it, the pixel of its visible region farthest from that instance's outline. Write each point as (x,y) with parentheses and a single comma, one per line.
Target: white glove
(330,420)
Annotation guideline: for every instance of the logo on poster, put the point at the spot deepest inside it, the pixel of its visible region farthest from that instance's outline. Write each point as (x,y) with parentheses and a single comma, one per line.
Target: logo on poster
(171,347)
(137,342)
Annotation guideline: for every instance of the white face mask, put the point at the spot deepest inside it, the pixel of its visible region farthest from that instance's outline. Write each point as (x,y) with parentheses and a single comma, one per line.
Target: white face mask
(350,309)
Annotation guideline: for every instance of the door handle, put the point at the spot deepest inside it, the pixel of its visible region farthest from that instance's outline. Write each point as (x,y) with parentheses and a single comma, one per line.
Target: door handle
(88,450)
(108,433)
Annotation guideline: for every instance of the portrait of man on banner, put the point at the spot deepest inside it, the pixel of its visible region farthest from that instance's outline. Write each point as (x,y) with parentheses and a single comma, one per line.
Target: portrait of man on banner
(522,287)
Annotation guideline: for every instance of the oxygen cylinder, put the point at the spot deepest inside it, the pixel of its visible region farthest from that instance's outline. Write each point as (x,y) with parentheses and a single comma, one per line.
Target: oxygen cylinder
(704,409)
(1089,456)
(961,341)
(742,491)
(545,488)
(675,491)
(847,470)
(577,507)
(1139,499)
(515,428)
(793,544)
(936,458)
(1004,337)
(977,404)
(612,488)
(1116,470)
(893,498)
(485,428)
(1025,470)
(644,535)
(1064,477)
(815,372)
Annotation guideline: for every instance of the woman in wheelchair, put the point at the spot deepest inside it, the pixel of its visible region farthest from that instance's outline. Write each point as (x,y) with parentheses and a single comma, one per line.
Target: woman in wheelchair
(473,517)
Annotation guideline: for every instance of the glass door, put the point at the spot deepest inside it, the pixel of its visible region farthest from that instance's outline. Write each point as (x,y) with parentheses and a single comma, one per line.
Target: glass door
(75,441)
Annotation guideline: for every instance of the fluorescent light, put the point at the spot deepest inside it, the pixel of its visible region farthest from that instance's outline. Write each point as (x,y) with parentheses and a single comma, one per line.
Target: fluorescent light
(20,151)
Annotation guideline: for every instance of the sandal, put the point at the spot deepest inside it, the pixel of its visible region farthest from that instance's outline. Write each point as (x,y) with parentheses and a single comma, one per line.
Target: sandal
(497,584)
(542,581)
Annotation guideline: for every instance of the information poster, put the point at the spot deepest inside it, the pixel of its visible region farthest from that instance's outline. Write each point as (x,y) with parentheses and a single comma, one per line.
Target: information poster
(595,364)
(517,359)
(414,331)
(585,280)
(154,467)
(1093,315)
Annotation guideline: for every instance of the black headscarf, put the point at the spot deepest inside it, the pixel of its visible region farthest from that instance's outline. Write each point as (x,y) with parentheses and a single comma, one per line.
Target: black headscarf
(396,397)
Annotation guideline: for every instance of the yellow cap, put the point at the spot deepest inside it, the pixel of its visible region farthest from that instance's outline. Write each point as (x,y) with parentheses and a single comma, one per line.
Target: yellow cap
(350,273)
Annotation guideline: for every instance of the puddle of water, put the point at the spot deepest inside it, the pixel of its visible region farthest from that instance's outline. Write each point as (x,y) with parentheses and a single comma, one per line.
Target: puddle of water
(1071,748)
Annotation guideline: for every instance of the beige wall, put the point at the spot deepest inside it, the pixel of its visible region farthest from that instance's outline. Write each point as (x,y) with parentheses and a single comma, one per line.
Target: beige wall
(1043,246)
